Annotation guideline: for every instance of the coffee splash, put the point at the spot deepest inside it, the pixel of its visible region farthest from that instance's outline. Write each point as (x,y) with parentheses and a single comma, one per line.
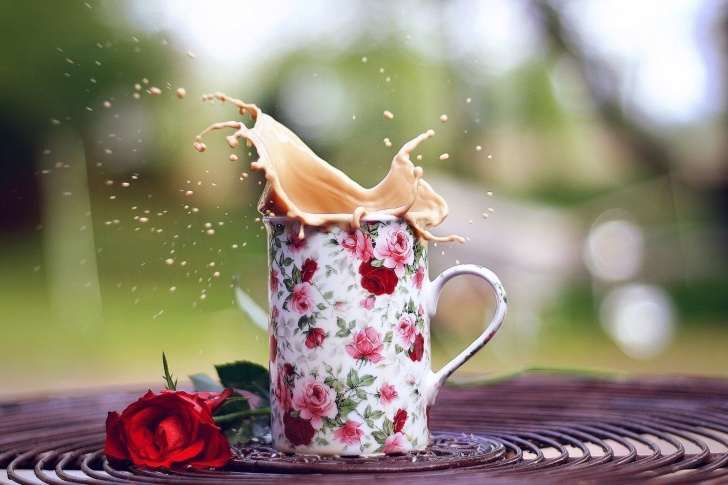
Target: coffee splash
(302,186)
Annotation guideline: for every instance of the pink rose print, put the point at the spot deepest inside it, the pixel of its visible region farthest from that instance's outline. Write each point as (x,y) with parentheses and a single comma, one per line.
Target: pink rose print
(367,345)
(358,244)
(302,300)
(406,329)
(315,338)
(296,244)
(274,312)
(281,391)
(368,302)
(349,434)
(387,393)
(314,400)
(395,248)
(274,281)
(308,270)
(341,306)
(419,277)
(395,443)
(399,419)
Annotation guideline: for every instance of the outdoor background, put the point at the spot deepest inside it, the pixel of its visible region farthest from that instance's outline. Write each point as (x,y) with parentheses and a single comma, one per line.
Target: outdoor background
(598,126)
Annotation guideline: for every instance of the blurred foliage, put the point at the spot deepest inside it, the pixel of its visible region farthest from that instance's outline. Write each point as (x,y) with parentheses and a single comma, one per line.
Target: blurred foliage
(548,134)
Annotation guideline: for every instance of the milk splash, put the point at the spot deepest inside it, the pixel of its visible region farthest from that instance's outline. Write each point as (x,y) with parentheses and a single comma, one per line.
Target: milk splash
(302,186)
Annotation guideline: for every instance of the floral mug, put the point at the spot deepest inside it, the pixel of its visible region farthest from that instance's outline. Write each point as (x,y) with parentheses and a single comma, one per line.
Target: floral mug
(349,337)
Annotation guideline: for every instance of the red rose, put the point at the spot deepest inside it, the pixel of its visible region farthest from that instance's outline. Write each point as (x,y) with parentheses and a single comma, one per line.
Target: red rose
(297,430)
(349,434)
(302,299)
(315,338)
(399,420)
(308,269)
(295,243)
(273,345)
(274,281)
(418,349)
(377,281)
(160,430)
(288,368)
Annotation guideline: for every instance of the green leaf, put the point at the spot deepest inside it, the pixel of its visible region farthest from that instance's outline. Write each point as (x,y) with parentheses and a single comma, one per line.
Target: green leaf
(321,306)
(361,394)
(377,263)
(328,295)
(246,376)
(368,411)
(388,426)
(234,404)
(289,284)
(296,275)
(367,380)
(171,385)
(346,406)
(352,379)
(379,437)
(302,322)
(377,414)
(340,322)
(388,337)
(287,262)
(370,422)
(205,383)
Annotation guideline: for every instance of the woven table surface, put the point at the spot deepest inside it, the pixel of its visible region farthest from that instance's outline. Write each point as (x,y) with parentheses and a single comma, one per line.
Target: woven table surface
(533,429)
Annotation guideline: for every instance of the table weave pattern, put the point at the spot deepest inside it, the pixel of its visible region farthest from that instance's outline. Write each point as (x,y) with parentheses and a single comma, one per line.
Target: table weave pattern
(534,429)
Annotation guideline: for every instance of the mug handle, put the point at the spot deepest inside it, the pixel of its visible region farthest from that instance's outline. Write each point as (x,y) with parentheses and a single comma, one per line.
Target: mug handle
(435,380)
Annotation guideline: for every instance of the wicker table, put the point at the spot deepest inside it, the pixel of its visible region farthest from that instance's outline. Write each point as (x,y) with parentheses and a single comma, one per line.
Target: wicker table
(533,429)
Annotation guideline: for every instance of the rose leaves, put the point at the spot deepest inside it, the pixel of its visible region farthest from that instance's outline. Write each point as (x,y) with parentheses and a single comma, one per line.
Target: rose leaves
(240,421)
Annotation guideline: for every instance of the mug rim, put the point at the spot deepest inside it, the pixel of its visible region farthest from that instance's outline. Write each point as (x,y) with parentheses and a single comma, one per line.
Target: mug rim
(367,218)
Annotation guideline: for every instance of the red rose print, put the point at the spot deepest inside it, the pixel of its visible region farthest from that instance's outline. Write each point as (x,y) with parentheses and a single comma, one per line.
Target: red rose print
(314,400)
(368,302)
(367,345)
(315,338)
(358,244)
(281,391)
(273,344)
(399,419)
(419,348)
(419,277)
(387,393)
(406,329)
(274,281)
(168,428)
(274,312)
(295,244)
(308,269)
(377,281)
(394,246)
(395,443)
(302,300)
(298,431)
(289,369)
(349,434)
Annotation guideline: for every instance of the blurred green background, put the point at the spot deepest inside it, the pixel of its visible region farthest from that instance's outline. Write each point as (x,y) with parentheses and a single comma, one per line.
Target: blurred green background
(599,127)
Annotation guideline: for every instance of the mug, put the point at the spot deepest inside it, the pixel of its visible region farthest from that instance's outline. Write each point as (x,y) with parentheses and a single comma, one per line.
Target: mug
(349,336)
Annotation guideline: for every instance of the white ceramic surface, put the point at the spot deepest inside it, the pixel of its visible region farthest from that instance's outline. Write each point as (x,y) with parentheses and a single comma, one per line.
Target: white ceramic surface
(349,337)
